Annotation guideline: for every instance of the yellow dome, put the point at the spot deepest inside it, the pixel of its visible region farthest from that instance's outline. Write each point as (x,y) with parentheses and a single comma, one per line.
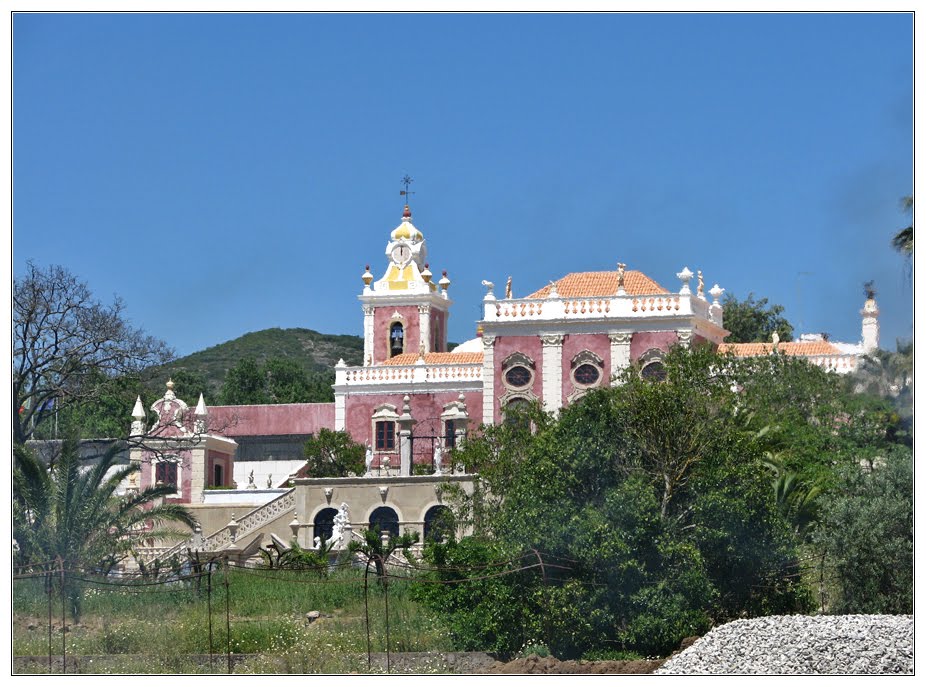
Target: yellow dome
(406,230)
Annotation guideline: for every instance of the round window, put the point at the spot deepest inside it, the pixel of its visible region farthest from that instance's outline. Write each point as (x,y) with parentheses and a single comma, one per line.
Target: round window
(586,374)
(518,376)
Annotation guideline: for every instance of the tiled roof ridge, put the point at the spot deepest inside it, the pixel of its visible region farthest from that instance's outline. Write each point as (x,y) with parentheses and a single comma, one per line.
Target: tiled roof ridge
(785,348)
(600,284)
(442,358)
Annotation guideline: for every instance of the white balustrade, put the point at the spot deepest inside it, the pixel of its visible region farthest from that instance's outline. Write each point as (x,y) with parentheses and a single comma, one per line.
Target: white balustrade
(605,307)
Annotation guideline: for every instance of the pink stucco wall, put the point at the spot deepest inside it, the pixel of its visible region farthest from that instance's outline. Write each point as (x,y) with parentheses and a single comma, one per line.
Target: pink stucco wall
(425,408)
(530,346)
(643,341)
(382,318)
(439,330)
(698,340)
(256,420)
(149,460)
(218,458)
(599,344)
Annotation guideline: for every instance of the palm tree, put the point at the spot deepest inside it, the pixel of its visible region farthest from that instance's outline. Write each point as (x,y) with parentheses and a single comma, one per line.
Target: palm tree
(797,500)
(68,513)
(903,239)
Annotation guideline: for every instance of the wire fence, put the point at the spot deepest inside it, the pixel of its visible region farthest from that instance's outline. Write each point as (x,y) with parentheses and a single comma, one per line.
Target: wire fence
(217,587)
(225,602)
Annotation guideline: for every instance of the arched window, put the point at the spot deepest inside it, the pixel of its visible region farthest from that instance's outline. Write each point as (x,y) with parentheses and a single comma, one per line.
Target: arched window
(386,519)
(439,524)
(323,525)
(396,339)
(514,411)
(654,371)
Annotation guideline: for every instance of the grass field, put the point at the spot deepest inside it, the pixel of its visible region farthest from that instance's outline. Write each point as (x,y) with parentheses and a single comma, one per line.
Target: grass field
(158,628)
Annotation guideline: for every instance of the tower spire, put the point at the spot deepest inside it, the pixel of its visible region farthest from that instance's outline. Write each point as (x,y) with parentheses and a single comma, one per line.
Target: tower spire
(406,181)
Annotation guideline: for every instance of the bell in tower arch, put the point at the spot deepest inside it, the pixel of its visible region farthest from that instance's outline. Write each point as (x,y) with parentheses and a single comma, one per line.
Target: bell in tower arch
(396,339)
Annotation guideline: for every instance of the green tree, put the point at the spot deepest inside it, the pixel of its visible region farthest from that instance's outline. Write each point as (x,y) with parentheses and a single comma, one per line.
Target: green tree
(333,453)
(752,321)
(866,532)
(287,381)
(278,380)
(649,506)
(245,384)
(69,511)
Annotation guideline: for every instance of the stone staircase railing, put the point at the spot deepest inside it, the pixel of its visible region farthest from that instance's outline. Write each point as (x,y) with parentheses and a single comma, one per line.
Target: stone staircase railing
(257,518)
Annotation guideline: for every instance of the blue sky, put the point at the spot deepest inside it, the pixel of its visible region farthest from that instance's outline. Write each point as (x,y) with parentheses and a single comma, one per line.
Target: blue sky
(225,173)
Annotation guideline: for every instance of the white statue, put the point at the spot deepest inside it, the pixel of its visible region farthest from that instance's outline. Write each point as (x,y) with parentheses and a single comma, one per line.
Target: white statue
(438,459)
(369,461)
(318,544)
(341,522)
(270,481)
(251,484)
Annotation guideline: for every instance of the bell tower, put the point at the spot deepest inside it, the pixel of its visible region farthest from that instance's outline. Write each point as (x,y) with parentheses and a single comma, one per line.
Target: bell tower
(405,312)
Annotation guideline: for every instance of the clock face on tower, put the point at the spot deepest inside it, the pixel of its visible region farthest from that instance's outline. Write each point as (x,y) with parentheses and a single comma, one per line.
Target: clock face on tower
(401,253)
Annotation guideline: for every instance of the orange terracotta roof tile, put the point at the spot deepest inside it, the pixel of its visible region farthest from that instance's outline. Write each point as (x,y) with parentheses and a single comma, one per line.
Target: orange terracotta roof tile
(436,359)
(800,348)
(597,284)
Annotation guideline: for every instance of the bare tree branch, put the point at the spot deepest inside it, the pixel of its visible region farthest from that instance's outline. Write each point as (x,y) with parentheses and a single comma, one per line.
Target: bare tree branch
(63,339)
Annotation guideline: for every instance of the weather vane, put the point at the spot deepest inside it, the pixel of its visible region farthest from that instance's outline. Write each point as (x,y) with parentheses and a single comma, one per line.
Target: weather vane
(407,180)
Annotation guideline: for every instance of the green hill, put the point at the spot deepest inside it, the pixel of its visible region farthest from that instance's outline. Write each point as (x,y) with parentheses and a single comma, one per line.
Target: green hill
(317,353)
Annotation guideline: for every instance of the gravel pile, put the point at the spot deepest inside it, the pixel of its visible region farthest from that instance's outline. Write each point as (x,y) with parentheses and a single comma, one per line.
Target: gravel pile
(801,645)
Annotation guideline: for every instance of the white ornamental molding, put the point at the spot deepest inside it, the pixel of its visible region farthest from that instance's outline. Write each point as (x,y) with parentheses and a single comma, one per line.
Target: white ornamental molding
(551,339)
(518,358)
(621,338)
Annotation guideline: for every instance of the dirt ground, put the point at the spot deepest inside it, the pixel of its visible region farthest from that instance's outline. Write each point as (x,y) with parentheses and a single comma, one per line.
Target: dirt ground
(535,665)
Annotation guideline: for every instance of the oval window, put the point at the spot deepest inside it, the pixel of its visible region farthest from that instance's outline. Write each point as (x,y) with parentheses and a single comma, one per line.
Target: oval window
(518,376)
(586,374)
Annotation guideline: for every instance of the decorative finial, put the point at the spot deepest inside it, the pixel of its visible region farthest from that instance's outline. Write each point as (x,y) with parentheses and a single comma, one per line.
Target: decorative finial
(170,384)
(406,181)
(685,276)
(508,288)
(367,276)
(138,412)
(426,275)
(869,290)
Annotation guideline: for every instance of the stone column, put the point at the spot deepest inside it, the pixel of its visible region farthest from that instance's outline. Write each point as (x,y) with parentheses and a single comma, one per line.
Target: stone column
(552,371)
(368,334)
(488,379)
(198,457)
(620,351)
(684,338)
(340,397)
(406,422)
(424,327)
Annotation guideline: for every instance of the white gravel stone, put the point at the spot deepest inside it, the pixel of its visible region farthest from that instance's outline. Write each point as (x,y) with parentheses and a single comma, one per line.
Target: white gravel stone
(801,645)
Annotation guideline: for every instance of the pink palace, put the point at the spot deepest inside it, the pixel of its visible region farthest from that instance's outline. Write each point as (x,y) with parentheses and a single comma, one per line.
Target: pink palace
(412,396)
